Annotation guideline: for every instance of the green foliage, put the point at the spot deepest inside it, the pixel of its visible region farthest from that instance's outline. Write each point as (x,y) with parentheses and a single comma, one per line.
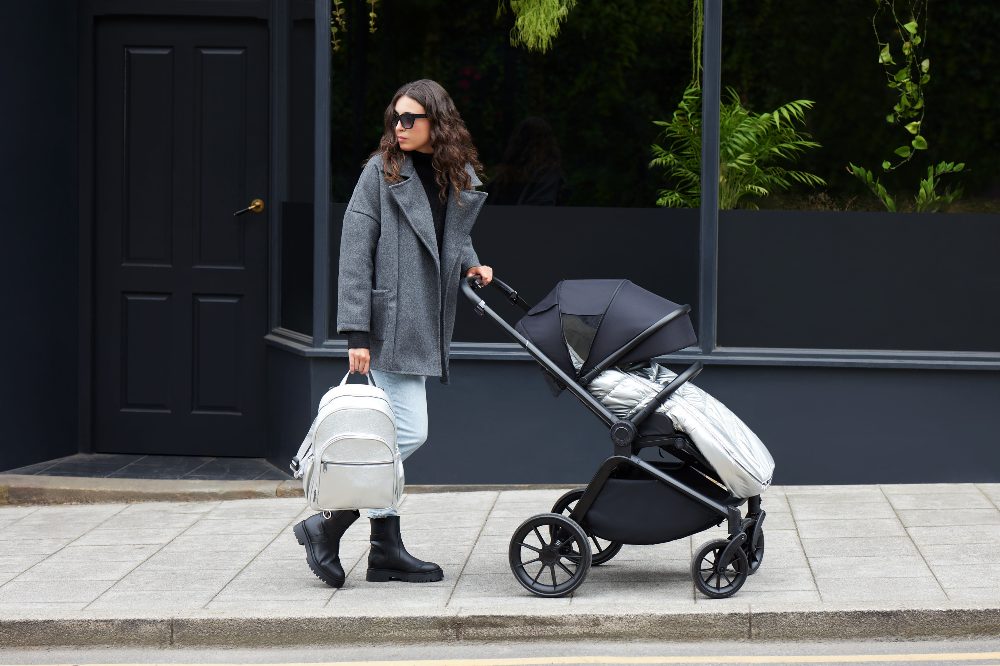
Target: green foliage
(877,188)
(338,21)
(749,146)
(927,199)
(909,111)
(536,22)
(909,80)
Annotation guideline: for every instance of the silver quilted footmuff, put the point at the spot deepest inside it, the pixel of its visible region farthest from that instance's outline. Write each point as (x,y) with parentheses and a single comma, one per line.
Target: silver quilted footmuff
(741,460)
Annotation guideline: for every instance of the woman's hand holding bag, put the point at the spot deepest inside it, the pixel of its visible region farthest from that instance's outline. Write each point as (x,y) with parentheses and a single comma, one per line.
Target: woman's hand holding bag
(359,359)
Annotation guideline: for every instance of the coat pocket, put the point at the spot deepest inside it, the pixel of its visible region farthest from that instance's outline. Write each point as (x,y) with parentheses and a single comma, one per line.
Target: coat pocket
(381,316)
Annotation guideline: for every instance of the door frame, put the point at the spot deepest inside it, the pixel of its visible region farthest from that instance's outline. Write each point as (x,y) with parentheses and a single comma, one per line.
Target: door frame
(276,14)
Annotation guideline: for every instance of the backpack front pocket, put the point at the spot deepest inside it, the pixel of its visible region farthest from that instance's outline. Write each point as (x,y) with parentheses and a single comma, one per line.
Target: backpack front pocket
(357,486)
(355,471)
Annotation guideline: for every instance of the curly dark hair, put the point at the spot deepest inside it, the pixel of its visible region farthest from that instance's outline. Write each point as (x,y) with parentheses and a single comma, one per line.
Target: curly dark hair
(450,139)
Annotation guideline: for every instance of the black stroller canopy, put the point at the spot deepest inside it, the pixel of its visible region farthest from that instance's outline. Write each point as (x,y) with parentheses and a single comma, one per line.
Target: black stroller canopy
(597,317)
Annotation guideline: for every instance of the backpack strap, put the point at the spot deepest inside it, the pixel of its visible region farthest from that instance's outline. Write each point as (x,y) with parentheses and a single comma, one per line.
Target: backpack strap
(304,449)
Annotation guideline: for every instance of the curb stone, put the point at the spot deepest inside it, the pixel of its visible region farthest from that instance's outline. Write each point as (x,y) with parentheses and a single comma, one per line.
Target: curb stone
(731,624)
(40,489)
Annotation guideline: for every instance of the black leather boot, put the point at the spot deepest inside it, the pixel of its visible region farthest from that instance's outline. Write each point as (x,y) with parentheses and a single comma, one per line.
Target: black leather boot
(388,559)
(321,537)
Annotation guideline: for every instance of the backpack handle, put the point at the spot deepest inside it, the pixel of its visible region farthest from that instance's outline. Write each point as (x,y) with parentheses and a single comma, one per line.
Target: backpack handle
(368,376)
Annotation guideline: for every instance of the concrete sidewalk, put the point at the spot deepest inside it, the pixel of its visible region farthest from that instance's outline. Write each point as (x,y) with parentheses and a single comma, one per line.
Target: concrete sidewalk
(900,561)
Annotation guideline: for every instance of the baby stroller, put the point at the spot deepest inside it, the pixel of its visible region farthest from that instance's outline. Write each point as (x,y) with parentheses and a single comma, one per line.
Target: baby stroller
(596,338)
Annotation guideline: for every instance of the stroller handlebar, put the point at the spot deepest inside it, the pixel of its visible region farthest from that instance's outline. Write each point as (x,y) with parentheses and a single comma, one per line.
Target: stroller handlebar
(471,284)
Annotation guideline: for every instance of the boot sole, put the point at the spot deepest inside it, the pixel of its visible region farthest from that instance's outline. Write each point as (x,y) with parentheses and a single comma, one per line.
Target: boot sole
(386,575)
(300,536)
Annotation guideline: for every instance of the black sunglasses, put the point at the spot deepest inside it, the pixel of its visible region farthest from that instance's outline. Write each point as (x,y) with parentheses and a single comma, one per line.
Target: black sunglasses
(406,118)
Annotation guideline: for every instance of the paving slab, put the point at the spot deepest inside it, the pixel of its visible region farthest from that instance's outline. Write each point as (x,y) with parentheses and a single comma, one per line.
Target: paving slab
(941,535)
(846,527)
(841,561)
(949,517)
(969,499)
(823,509)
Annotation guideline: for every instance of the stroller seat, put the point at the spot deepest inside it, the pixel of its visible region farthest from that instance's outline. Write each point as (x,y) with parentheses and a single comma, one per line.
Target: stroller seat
(657,426)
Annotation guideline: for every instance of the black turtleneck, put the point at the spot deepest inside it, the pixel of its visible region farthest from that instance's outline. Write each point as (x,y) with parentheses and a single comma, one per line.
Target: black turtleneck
(425,171)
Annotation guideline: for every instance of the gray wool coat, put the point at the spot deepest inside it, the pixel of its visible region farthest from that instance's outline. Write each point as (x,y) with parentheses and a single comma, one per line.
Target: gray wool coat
(392,283)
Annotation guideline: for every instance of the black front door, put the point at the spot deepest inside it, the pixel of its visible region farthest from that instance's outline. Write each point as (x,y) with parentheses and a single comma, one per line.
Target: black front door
(181,284)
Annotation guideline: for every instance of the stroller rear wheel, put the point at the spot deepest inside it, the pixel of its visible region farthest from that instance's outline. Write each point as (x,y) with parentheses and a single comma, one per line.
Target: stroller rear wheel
(715,579)
(549,555)
(602,549)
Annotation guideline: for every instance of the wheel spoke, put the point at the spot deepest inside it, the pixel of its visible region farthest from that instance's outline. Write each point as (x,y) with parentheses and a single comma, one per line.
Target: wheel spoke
(537,550)
(537,575)
(553,569)
(538,534)
(563,567)
(596,543)
(522,564)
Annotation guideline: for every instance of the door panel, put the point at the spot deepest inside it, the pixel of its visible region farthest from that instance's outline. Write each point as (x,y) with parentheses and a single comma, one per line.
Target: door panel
(181,306)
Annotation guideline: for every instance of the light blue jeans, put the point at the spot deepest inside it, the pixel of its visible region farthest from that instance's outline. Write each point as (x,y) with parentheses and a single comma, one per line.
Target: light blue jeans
(408,396)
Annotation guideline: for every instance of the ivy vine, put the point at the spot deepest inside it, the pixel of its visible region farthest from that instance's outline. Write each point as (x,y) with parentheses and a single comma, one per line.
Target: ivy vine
(907,79)
(338,21)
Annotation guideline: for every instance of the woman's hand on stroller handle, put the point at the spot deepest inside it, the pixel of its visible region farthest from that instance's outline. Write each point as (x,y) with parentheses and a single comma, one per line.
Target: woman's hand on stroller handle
(484,273)
(472,283)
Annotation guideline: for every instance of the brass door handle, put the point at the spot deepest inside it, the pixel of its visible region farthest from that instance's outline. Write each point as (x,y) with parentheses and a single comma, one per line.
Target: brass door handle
(256,206)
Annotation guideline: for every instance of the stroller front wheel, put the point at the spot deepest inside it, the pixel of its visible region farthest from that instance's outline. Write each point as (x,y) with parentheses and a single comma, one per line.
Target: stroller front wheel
(549,555)
(602,550)
(755,553)
(715,579)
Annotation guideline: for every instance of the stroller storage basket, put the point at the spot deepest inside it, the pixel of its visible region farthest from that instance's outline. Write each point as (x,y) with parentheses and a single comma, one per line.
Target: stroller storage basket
(634,508)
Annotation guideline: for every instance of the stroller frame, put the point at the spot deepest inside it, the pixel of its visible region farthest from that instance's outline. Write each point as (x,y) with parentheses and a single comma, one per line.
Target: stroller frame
(745,534)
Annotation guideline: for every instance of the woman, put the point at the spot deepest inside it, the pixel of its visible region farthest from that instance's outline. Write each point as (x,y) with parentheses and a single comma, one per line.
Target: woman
(405,245)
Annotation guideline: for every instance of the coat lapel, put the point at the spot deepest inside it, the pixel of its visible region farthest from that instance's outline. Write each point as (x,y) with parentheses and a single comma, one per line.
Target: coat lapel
(412,200)
(458,222)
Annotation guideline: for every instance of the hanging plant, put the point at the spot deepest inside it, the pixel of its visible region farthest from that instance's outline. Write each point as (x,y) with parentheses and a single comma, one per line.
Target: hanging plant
(338,22)
(536,22)
(907,78)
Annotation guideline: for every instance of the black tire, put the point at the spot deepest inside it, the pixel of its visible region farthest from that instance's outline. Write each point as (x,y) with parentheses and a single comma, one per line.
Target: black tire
(754,552)
(553,543)
(602,550)
(729,580)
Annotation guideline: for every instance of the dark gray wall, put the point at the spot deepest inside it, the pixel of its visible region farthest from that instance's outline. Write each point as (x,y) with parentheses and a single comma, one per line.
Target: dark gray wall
(38,255)
(289,396)
(497,423)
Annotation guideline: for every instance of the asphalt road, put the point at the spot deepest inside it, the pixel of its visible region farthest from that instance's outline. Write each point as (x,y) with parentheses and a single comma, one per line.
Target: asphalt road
(931,653)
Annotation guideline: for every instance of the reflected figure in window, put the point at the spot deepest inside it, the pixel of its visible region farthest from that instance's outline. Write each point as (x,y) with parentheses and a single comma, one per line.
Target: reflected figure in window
(531,171)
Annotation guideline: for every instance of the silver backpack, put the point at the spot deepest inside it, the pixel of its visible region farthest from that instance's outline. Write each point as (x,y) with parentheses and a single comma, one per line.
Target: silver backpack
(349,458)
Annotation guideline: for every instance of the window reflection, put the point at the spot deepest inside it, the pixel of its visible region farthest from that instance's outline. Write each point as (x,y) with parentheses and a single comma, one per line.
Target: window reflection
(531,172)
